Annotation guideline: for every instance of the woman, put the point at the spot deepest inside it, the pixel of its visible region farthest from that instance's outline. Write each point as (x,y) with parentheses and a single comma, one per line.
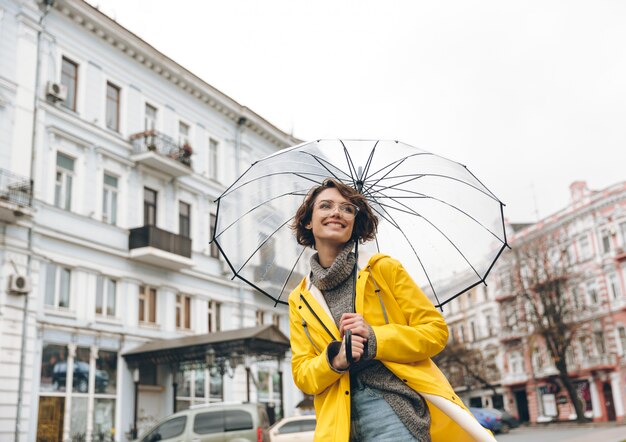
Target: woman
(391,390)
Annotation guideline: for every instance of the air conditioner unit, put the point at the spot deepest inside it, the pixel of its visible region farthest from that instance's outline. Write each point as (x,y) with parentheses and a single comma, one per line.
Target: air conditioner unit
(56,91)
(19,284)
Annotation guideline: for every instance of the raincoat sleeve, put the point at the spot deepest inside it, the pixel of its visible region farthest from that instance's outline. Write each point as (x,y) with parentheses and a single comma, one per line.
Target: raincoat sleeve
(311,369)
(423,332)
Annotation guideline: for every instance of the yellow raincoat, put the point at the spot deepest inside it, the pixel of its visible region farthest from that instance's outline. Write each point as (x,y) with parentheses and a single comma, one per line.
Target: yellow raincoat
(416,331)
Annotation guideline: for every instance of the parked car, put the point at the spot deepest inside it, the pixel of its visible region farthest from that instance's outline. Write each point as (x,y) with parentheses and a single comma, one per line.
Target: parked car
(293,429)
(508,421)
(487,419)
(80,380)
(213,423)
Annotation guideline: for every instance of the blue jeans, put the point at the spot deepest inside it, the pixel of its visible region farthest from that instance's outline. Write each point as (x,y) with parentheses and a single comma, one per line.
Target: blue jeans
(373,419)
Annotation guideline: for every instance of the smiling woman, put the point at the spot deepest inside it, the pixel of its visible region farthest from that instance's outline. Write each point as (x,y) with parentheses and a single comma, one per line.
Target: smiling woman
(380,318)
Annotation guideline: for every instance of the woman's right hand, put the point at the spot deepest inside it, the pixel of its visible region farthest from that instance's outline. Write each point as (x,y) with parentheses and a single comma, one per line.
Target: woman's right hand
(340,362)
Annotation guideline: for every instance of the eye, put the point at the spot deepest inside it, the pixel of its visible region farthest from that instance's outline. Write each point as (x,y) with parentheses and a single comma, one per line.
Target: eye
(348,208)
(325,205)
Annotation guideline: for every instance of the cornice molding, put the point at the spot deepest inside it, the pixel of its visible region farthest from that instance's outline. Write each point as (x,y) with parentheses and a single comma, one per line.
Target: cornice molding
(114,34)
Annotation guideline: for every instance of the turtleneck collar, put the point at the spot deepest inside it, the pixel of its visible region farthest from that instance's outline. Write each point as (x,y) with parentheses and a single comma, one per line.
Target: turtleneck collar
(337,273)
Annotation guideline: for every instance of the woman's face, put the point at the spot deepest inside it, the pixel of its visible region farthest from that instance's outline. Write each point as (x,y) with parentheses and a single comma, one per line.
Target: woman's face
(331,221)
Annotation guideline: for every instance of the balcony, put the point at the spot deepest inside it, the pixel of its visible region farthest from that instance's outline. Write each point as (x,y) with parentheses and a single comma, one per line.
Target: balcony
(545,371)
(620,254)
(158,247)
(16,196)
(508,333)
(161,152)
(514,378)
(598,362)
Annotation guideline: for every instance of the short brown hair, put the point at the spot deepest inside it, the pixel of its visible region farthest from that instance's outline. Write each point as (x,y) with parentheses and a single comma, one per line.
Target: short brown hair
(365,223)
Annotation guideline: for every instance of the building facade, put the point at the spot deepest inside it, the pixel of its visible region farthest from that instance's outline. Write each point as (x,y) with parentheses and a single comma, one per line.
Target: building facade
(494,323)
(591,237)
(112,156)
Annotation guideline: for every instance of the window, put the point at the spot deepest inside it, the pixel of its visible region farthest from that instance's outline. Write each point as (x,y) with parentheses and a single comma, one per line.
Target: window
(97,385)
(57,286)
(213,158)
(516,362)
(489,321)
(473,337)
(276,319)
(215,252)
(606,241)
(461,333)
(585,247)
(63,183)
(183,133)
(214,316)
(451,334)
(150,117)
(622,229)
(183,311)
(148,374)
(614,288)
(69,78)
(109,199)
(113,107)
(576,298)
(149,207)
(592,293)
(168,429)
(147,305)
(260,317)
(209,423)
(106,296)
(598,338)
(184,219)
(621,331)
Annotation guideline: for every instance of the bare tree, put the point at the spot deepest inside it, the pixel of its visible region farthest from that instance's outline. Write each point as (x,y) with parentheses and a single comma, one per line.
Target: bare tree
(542,275)
(467,366)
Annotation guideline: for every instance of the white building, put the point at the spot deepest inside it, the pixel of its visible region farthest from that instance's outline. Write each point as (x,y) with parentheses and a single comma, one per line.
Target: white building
(112,155)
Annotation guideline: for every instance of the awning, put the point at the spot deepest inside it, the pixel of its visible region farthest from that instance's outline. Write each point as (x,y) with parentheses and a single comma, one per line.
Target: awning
(262,343)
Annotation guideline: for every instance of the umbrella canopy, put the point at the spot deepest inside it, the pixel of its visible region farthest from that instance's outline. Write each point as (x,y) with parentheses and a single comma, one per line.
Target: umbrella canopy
(435,216)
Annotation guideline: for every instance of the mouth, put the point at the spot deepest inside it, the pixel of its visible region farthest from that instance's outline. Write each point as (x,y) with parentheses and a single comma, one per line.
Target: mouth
(334,223)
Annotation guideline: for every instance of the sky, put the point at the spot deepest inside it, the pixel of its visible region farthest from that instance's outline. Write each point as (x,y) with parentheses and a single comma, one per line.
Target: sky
(529,95)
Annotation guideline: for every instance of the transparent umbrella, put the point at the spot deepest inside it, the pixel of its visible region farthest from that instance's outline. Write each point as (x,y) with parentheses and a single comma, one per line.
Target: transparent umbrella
(435,216)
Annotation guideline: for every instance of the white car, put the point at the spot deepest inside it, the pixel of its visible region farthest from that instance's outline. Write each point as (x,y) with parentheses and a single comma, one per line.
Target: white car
(293,429)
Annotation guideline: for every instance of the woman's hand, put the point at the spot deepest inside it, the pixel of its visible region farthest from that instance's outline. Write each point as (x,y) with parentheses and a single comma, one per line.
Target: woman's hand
(355,323)
(340,362)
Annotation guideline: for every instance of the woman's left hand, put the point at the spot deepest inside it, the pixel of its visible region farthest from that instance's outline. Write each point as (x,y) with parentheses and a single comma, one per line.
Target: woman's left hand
(355,323)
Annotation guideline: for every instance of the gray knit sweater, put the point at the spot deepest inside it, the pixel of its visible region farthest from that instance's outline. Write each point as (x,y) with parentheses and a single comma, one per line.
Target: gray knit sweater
(337,285)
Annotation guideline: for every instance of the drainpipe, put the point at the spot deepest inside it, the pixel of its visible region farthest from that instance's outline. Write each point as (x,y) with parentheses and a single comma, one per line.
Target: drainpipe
(48,4)
(241,122)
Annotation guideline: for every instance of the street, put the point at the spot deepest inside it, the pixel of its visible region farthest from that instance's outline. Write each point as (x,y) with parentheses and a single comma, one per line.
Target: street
(585,433)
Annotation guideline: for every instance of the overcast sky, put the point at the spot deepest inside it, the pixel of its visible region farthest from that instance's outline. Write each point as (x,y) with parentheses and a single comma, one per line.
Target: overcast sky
(530,95)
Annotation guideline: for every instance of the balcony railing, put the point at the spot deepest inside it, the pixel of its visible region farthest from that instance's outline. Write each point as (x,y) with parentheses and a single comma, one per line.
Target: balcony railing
(152,236)
(162,145)
(512,332)
(16,189)
(599,361)
(514,378)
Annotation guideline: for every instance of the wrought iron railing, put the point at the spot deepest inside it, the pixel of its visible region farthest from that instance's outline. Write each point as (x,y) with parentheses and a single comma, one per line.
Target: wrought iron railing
(15,188)
(152,236)
(154,141)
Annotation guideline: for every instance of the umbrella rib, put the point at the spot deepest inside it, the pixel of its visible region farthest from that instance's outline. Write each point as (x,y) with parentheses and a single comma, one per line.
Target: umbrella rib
(390,170)
(440,231)
(295,193)
(368,163)
(289,172)
(422,196)
(350,164)
(320,161)
(282,290)
(400,160)
(262,244)
(414,252)
(414,177)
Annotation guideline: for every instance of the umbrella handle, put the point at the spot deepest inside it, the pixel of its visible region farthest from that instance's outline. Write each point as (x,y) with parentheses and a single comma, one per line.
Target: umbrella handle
(348,344)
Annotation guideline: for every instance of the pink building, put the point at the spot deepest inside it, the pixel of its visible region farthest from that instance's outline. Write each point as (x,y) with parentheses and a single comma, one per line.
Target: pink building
(592,231)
